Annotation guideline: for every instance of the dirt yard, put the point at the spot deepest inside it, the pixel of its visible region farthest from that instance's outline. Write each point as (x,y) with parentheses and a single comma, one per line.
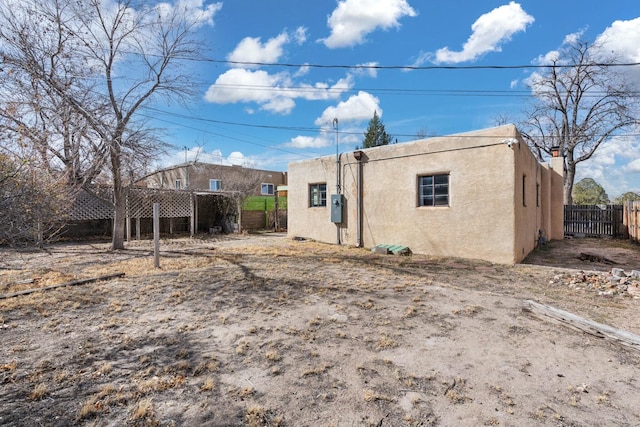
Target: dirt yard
(268,331)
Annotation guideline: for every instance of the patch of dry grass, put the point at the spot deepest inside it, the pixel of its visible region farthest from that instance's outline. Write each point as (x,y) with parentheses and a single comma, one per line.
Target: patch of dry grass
(208,384)
(258,416)
(145,265)
(11,366)
(316,370)
(372,396)
(105,369)
(143,411)
(39,391)
(272,355)
(468,310)
(385,341)
(455,391)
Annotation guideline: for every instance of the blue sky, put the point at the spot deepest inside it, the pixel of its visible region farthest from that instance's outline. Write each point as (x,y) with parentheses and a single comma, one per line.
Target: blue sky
(265,116)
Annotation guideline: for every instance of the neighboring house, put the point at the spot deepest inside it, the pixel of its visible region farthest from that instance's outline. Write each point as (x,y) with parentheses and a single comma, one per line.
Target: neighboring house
(479,195)
(219,190)
(212,177)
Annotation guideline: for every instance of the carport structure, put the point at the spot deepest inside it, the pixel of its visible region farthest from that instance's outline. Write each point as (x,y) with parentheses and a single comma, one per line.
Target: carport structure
(180,210)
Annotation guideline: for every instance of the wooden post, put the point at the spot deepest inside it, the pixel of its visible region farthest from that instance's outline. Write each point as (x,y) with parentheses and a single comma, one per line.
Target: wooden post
(276,211)
(156,235)
(128,220)
(570,320)
(138,228)
(194,214)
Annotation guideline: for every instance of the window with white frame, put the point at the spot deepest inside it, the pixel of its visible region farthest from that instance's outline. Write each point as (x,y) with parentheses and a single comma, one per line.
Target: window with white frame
(317,195)
(433,190)
(178,184)
(266,189)
(215,185)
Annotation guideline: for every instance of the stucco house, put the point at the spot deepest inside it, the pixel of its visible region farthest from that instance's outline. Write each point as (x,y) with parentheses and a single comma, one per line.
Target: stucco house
(216,188)
(214,177)
(480,195)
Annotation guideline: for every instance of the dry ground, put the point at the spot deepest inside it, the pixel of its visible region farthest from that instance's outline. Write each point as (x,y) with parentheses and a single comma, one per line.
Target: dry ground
(268,331)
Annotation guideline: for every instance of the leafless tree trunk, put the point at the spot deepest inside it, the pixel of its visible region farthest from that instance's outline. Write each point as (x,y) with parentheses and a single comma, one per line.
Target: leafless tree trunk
(579,103)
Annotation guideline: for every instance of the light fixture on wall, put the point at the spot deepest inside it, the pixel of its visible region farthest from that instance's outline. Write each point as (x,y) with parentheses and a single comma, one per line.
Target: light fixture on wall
(555,151)
(510,141)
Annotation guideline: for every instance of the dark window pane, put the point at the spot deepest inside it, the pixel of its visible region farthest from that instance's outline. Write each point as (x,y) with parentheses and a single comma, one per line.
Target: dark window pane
(433,190)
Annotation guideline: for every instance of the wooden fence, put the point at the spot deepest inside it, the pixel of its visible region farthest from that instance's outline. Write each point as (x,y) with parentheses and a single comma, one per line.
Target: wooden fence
(632,220)
(595,221)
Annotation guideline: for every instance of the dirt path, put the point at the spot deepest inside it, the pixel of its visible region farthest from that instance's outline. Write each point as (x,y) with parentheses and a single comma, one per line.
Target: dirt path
(266,331)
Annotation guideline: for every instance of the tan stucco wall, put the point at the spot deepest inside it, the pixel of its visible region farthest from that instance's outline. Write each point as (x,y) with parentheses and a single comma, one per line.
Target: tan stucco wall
(196,176)
(485,218)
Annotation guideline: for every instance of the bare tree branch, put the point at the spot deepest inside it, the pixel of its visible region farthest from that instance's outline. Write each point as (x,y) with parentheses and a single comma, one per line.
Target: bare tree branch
(72,52)
(577,108)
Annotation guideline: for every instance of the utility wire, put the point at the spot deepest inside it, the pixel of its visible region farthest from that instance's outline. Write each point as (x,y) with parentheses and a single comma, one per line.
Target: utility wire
(409,67)
(228,137)
(295,128)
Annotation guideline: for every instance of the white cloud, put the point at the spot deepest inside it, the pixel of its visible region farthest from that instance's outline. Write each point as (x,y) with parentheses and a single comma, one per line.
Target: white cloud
(277,92)
(615,166)
(300,35)
(273,92)
(352,20)
(302,71)
(357,108)
(622,41)
(304,142)
(350,113)
(490,31)
(367,69)
(251,49)
(632,167)
(214,156)
(197,12)
(241,85)
(237,158)
(573,37)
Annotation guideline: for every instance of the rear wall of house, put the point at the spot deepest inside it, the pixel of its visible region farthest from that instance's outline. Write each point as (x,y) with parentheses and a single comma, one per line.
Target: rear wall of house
(486,217)
(478,223)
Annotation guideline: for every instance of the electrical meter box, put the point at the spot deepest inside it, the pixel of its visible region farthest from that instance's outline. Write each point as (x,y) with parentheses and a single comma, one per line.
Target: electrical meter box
(337,205)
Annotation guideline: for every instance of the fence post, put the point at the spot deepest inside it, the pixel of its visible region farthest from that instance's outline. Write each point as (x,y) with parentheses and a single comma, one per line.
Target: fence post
(156,235)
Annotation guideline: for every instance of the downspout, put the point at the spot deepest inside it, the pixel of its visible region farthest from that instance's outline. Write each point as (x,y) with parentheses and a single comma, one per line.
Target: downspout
(335,127)
(358,157)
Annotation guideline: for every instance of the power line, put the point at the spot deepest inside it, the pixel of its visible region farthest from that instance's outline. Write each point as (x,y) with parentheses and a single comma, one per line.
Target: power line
(400,91)
(291,128)
(223,136)
(409,67)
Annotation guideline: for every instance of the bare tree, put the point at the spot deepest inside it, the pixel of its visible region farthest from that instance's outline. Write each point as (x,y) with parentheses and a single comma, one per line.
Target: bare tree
(32,202)
(421,133)
(104,61)
(579,103)
(29,116)
(241,184)
(502,119)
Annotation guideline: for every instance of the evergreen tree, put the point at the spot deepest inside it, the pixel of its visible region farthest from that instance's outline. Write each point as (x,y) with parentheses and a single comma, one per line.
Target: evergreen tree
(588,192)
(376,134)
